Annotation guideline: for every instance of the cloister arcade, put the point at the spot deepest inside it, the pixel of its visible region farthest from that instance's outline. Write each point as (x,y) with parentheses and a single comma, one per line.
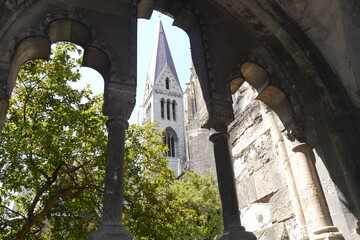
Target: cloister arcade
(231,42)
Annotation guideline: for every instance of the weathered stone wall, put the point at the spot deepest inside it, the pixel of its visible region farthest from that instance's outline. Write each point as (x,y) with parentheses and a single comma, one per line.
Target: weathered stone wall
(200,151)
(266,172)
(263,195)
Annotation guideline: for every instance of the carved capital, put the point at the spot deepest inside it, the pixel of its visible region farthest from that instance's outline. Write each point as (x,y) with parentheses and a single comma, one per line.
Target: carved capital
(118,104)
(218,118)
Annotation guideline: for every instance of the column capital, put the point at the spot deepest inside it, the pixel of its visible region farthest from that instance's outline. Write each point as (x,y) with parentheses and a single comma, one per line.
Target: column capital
(300,147)
(220,114)
(118,104)
(113,121)
(219,134)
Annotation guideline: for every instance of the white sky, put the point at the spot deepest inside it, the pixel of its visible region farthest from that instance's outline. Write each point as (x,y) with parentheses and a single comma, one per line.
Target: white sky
(147,30)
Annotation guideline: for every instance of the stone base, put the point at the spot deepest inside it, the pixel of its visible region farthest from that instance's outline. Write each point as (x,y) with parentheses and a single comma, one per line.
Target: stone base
(111,232)
(327,233)
(237,233)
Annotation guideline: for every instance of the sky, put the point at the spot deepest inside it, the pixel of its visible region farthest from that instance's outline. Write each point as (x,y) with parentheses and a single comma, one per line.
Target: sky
(147,32)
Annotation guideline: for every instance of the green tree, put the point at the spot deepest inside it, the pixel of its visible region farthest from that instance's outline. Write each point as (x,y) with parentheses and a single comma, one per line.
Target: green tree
(52,158)
(157,205)
(200,194)
(51,153)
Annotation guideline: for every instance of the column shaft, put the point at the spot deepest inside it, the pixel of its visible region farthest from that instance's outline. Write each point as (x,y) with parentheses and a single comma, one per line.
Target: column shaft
(312,198)
(113,196)
(111,227)
(225,174)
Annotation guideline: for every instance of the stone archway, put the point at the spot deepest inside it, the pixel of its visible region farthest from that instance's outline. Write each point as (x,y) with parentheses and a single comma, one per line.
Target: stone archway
(220,32)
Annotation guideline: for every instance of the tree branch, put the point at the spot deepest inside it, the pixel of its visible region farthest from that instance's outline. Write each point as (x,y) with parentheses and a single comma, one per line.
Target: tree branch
(11,210)
(68,192)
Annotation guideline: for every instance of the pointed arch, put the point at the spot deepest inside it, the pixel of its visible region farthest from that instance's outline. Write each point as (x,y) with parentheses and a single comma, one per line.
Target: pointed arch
(171,139)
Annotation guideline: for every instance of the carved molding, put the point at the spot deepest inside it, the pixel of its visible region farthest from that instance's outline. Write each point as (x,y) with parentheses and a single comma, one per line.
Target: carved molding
(257,60)
(95,37)
(167,93)
(21,36)
(70,16)
(218,119)
(118,104)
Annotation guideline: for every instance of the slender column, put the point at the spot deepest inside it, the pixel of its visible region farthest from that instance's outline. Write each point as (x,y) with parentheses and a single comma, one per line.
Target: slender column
(114,171)
(278,139)
(118,106)
(316,211)
(225,175)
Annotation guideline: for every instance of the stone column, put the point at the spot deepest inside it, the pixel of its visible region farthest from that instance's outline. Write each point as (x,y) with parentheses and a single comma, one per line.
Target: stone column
(118,106)
(312,198)
(226,181)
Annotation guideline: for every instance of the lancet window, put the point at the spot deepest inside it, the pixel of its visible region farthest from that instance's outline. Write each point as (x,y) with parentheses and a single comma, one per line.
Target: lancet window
(168,103)
(162,103)
(167,83)
(174,110)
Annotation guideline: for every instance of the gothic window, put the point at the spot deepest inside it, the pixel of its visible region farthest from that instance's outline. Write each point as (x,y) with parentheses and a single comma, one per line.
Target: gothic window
(174,110)
(162,103)
(167,83)
(170,139)
(168,103)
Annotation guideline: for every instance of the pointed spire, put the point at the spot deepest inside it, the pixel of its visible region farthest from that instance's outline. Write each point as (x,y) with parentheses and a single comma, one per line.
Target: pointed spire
(161,57)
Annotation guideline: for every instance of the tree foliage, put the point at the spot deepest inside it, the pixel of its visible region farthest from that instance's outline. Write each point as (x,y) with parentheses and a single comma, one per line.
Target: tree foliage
(52,152)
(52,158)
(175,209)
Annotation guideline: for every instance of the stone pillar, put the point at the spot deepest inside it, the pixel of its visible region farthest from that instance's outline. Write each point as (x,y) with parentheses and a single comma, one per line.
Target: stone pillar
(118,106)
(226,180)
(313,202)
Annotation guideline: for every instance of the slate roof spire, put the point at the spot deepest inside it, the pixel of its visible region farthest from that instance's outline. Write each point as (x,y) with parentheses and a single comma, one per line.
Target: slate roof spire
(161,57)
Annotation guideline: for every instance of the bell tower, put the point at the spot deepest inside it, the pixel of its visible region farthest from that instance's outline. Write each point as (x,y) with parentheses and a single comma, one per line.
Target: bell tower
(163,101)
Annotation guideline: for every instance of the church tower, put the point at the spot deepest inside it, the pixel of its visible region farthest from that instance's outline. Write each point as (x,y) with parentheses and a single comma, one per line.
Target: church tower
(163,101)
